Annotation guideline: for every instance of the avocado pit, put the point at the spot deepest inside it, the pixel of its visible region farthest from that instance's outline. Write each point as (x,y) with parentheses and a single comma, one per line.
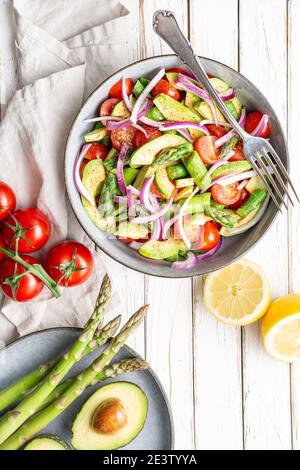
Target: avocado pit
(109,417)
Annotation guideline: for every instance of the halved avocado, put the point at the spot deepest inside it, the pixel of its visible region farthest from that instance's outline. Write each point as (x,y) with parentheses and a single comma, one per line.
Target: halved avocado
(111,418)
(145,154)
(47,442)
(92,179)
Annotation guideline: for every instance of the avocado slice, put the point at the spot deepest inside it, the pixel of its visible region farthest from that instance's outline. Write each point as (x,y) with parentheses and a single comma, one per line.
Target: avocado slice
(132,403)
(155,249)
(96,135)
(145,154)
(47,442)
(219,85)
(173,110)
(205,110)
(254,183)
(241,165)
(164,185)
(145,172)
(120,110)
(92,179)
(134,231)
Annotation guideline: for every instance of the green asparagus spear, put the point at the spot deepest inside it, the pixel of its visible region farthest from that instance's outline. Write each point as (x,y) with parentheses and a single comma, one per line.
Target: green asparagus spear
(172,155)
(110,371)
(255,200)
(26,408)
(177,171)
(111,160)
(109,190)
(229,146)
(83,380)
(220,216)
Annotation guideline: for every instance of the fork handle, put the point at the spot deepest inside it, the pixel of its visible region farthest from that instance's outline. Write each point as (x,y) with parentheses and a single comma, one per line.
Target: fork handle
(166,26)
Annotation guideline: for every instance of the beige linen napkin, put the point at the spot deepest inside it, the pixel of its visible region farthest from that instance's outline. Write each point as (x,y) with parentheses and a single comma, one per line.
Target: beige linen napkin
(63,52)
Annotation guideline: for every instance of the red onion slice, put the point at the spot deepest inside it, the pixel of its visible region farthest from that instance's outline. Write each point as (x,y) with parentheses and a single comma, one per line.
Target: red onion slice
(143,96)
(125,96)
(158,224)
(185,134)
(233,178)
(210,253)
(167,225)
(120,165)
(150,218)
(183,83)
(103,118)
(189,263)
(145,194)
(215,166)
(121,200)
(242,184)
(261,126)
(183,125)
(180,219)
(227,95)
(151,122)
(223,140)
(76,175)
(131,204)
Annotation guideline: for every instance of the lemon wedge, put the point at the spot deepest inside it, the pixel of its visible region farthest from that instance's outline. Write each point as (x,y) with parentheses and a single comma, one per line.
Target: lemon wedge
(238,294)
(281,328)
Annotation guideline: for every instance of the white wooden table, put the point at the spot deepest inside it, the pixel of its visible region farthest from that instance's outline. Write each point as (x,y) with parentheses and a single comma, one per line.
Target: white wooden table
(225,392)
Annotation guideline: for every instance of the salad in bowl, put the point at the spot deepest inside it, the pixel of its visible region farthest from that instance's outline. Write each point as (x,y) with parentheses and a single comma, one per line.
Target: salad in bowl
(163,172)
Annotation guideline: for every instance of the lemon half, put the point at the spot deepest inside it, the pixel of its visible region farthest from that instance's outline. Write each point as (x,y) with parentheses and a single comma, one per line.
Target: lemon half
(238,294)
(281,328)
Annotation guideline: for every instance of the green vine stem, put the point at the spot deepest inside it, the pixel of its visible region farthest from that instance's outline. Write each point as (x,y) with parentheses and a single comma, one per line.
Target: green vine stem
(35,269)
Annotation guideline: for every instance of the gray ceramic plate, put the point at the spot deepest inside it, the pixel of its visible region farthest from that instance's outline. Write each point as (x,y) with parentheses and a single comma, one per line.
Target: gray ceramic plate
(232,247)
(25,354)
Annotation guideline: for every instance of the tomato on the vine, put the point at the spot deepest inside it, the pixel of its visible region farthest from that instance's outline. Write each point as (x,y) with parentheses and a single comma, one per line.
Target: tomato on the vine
(7,200)
(2,245)
(30,228)
(17,283)
(69,263)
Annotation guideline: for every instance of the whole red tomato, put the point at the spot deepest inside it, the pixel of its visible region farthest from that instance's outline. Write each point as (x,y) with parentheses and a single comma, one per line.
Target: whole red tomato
(16,282)
(2,245)
(69,263)
(7,200)
(30,227)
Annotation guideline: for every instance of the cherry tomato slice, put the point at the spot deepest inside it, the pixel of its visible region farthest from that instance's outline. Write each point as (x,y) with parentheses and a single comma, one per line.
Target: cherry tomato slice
(217,131)
(121,136)
(193,232)
(27,288)
(107,106)
(252,122)
(116,89)
(238,154)
(226,195)
(163,86)
(243,198)
(96,151)
(7,200)
(140,138)
(211,237)
(205,147)
(32,226)
(2,245)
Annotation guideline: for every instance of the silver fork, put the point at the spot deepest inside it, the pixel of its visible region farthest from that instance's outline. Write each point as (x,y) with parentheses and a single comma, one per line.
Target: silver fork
(259,152)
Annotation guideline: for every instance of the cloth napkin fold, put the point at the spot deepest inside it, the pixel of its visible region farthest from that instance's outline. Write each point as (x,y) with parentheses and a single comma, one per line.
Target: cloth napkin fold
(63,52)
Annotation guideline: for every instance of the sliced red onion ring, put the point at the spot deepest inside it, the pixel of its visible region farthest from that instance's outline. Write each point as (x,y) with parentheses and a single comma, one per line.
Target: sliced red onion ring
(134,191)
(214,111)
(151,122)
(183,83)
(215,166)
(223,140)
(158,224)
(125,96)
(227,95)
(242,184)
(205,122)
(145,194)
(128,122)
(143,96)
(136,245)
(228,155)
(185,134)
(167,225)
(120,165)
(180,219)
(131,204)
(233,178)
(189,263)
(184,125)
(150,218)
(261,126)
(141,128)
(210,253)
(76,175)
(103,118)
(121,200)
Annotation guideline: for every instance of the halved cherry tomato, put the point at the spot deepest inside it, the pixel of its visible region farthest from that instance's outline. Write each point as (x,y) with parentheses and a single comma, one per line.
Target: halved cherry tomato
(140,138)
(96,151)
(7,200)
(107,106)
(163,86)
(30,226)
(69,263)
(243,198)
(217,131)
(193,232)
(211,237)
(27,287)
(3,245)
(116,89)
(121,136)
(127,240)
(252,122)
(238,154)
(205,147)
(82,167)
(226,195)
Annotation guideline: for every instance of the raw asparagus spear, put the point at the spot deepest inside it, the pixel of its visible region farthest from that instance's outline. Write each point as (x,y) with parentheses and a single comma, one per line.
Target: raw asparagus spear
(110,371)
(107,201)
(26,408)
(172,155)
(83,380)
(229,146)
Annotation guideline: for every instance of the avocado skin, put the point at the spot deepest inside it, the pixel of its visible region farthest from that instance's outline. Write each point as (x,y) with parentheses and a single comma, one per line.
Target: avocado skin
(43,440)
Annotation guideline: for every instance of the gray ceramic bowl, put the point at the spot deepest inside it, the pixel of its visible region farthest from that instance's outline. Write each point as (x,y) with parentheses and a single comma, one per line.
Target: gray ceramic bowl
(232,248)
